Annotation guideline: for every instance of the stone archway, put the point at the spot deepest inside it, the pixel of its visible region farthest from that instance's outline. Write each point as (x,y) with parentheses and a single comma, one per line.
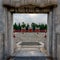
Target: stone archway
(14,7)
(31,9)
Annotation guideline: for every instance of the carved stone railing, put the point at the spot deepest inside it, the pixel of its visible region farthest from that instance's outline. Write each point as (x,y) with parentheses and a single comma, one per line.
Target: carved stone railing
(40,3)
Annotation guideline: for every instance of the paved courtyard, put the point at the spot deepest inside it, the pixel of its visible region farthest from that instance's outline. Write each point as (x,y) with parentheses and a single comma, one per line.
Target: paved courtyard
(29,54)
(29,46)
(30,58)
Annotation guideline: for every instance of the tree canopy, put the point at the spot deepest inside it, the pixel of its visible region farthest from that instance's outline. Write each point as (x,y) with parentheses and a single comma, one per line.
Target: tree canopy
(27,26)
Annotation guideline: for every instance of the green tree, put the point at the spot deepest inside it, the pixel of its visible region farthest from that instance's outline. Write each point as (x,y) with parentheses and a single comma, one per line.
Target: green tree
(45,27)
(23,25)
(19,26)
(27,27)
(39,26)
(36,25)
(42,27)
(33,25)
(15,26)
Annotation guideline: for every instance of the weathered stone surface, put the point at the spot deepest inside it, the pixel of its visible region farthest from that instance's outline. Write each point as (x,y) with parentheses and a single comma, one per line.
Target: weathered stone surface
(58,29)
(58,46)
(53,23)
(41,3)
(1,17)
(1,46)
(30,37)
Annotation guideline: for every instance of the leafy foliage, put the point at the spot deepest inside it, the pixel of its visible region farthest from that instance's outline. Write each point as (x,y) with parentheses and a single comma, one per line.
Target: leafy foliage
(15,26)
(23,25)
(19,26)
(42,27)
(45,26)
(27,26)
(33,25)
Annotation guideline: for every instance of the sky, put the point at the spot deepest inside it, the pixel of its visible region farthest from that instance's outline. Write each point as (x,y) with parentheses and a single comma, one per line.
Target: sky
(29,18)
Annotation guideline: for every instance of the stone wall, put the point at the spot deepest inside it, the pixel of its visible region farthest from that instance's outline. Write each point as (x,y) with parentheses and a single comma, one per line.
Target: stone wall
(55,17)
(1,29)
(56,31)
(18,3)
(30,37)
(58,47)
(1,46)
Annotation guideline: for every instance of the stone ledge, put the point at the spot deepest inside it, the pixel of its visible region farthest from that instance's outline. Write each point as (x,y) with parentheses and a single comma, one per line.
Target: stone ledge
(40,3)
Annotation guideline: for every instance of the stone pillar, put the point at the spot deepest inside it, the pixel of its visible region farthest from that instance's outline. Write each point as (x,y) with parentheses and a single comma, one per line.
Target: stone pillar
(56,31)
(52,34)
(1,28)
(11,45)
(1,46)
(58,46)
(1,17)
(54,41)
(13,42)
(49,34)
(5,33)
(8,33)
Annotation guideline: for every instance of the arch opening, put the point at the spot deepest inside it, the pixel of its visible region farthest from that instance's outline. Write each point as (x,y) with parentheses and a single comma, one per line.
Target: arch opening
(14,10)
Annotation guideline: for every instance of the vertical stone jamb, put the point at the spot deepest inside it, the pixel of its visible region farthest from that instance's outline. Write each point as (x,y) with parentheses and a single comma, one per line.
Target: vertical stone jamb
(54,42)
(50,35)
